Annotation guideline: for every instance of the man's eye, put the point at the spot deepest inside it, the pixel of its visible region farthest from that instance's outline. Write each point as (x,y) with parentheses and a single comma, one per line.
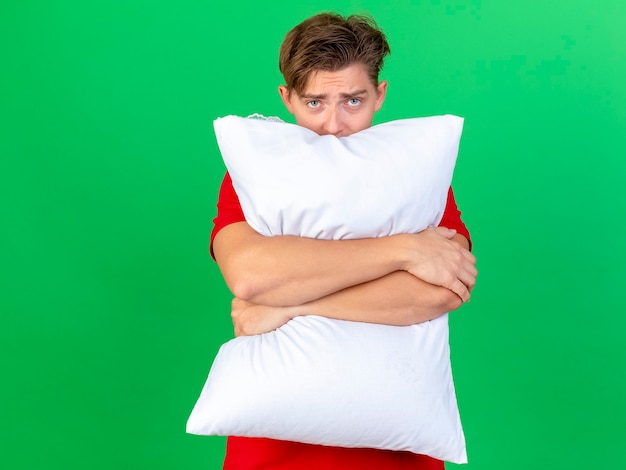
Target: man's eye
(354,102)
(313,104)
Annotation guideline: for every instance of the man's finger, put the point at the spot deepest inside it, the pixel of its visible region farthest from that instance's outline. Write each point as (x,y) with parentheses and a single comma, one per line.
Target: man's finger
(461,290)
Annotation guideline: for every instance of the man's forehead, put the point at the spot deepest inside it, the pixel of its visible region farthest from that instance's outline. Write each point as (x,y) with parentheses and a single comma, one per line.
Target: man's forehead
(348,82)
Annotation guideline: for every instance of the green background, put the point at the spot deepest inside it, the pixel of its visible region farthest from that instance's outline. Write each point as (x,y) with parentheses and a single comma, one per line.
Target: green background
(112,310)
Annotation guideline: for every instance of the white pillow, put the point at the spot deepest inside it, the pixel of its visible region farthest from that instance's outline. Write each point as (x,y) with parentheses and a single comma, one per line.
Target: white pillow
(389,178)
(324,381)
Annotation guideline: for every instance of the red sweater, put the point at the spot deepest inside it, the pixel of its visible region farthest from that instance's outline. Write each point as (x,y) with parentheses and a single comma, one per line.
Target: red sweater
(244,453)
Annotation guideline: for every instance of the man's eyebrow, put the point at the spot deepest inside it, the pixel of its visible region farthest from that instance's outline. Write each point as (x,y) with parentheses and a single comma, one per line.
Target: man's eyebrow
(311,96)
(323,96)
(354,94)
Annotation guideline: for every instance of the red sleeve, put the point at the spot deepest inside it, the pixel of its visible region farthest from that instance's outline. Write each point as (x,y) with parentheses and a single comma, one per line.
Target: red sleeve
(229,211)
(452,218)
(228,208)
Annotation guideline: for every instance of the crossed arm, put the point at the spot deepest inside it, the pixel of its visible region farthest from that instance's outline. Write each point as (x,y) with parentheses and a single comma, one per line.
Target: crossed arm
(397,280)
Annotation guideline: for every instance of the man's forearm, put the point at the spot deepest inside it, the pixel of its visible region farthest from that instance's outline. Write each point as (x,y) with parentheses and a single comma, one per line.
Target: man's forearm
(290,271)
(397,299)
(287,271)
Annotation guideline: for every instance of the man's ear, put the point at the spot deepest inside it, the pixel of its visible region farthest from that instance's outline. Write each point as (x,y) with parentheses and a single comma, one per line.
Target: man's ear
(285,96)
(382,93)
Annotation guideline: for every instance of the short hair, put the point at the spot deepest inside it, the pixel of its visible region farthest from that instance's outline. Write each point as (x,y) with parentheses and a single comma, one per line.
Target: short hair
(331,42)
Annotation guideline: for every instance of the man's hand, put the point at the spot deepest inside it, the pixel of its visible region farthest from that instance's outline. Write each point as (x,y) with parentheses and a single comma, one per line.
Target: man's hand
(252,319)
(436,258)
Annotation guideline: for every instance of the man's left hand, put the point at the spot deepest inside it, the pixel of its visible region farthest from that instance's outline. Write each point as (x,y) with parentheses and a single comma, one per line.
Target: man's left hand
(253,319)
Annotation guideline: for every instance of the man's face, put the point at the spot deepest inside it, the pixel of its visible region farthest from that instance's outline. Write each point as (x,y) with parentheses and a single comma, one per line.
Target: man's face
(338,103)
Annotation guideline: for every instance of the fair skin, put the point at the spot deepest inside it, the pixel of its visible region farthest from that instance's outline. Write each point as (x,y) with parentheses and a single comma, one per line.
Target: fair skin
(397,280)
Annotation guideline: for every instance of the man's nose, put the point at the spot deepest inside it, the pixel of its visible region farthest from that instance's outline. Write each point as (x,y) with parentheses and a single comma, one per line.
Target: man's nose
(333,123)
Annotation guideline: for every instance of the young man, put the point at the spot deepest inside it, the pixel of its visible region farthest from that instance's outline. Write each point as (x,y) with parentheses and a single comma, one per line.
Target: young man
(331,66)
